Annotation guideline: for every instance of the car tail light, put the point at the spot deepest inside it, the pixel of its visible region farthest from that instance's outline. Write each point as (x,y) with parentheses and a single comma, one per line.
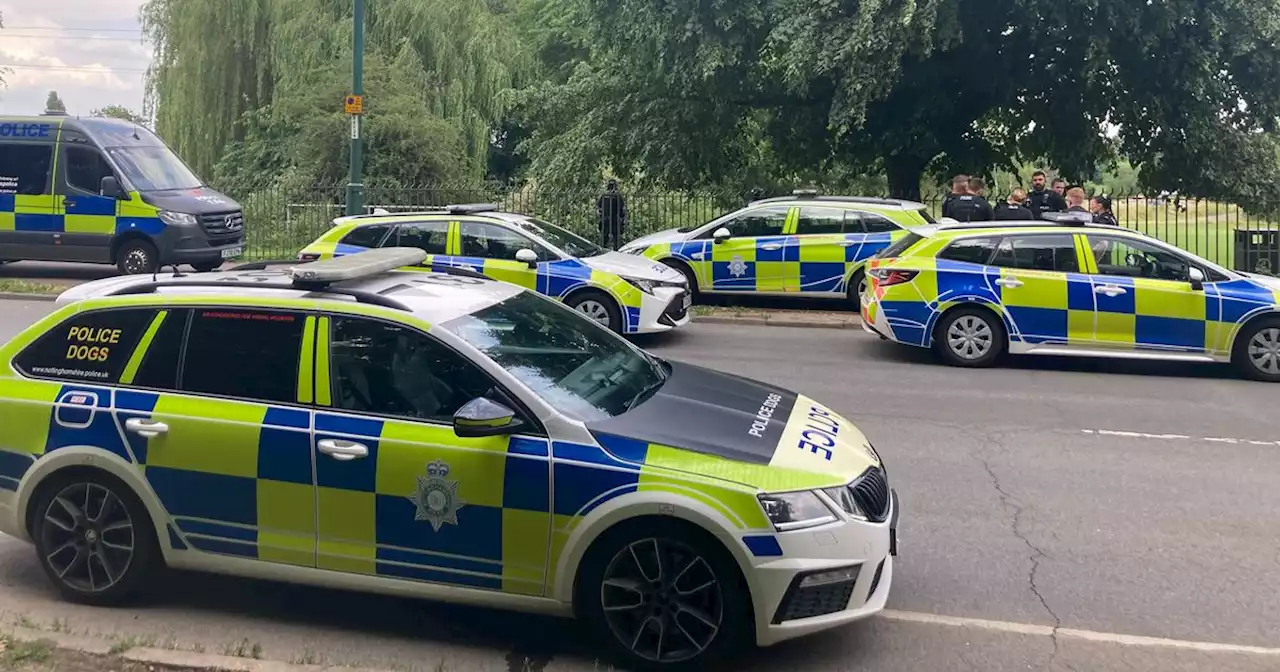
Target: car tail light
(308,256)
(887,276)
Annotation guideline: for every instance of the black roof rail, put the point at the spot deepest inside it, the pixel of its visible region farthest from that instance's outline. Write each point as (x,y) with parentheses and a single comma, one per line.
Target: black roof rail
(361,296)
(261,265)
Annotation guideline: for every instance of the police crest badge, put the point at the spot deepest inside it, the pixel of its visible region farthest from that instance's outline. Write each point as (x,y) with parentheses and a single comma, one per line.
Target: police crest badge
(436,497)
(737,267)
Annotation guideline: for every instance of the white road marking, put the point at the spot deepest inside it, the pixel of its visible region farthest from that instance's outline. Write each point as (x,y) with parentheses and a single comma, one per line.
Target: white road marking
(1180,437)
(1070,633)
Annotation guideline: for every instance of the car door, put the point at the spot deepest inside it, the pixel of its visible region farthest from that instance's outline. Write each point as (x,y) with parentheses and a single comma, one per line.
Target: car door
(826,238)
(228,450)
(89,219)
(28,225)
(1042,292)
(491,249)
(1144,296)
(400,494)
(431,236)
(754,258)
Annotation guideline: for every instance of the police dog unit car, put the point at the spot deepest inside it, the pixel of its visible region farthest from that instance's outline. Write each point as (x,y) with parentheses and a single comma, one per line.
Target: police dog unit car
(626,294)
(439,435)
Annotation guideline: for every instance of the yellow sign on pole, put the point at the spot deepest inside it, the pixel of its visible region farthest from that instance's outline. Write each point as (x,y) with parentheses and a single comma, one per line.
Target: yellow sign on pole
(355,104)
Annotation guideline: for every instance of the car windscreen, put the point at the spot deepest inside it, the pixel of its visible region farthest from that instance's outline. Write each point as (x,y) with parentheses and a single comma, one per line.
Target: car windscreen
(579,367)
(573,244)
(153,168)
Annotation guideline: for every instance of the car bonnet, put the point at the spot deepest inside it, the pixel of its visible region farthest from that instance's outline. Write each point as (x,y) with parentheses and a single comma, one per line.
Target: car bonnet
(630,266)
(726,416)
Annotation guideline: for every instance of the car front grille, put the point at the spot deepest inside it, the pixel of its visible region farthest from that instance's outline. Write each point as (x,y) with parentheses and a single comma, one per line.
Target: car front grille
(871,492)
(675,311)
(807,602)
(223,223)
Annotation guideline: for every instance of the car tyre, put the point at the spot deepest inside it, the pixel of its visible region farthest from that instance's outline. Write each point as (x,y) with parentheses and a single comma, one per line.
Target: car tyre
(93,538)
(856,281)
(136,257)
(1257,350)
(970,337)
(690,613)
(690,277)
(599,307)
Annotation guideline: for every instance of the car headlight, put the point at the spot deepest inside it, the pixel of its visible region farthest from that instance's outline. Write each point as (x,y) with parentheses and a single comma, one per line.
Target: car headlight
(177,218)
(633,249)
(843,497)
(796,510)
(645,286)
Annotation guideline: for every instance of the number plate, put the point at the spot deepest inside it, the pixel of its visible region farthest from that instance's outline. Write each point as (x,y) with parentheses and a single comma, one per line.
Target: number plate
(687,301)
(232,252)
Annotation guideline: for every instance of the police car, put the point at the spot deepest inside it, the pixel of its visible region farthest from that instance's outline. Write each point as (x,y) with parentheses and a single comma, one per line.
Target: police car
(626,294)
(107,191)
(1067,287)
(438,435)
(805,244)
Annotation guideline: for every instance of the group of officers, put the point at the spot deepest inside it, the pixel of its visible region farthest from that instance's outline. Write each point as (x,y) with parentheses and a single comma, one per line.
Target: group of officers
(967,201)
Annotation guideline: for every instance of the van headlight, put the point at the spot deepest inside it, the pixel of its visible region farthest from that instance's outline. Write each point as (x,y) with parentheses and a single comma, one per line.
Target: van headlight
(177,218)
(796,510)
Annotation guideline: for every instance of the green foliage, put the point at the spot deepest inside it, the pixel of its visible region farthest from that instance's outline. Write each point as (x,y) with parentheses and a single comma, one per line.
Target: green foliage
(240,87)
(53,103)
(705,93)
(120,112)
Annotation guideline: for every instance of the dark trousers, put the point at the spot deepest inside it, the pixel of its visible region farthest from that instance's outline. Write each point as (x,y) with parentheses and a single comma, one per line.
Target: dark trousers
(610,236)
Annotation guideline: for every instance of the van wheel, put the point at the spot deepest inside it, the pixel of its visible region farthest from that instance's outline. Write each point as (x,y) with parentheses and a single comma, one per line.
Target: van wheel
(660,596)
(136,257)
(94,538)
(598,307)
(1257,351)
(969,337)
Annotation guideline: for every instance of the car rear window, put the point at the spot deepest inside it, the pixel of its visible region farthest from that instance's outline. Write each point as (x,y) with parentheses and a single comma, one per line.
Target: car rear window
(367,236)
(91,347)
(970,250)
(902,245)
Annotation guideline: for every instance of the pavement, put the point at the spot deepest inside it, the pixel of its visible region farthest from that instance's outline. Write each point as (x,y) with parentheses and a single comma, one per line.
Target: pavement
(1057,515)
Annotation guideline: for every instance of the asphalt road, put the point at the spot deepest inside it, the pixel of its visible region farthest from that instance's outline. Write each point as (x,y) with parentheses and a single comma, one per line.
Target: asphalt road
(1058,514)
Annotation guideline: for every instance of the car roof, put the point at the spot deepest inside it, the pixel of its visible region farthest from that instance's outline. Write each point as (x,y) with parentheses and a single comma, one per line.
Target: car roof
(865,201)
(1040,226)
(481,210)
(419,293)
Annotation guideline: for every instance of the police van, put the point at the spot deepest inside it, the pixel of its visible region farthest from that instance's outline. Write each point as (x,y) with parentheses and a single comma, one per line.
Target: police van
(107,191)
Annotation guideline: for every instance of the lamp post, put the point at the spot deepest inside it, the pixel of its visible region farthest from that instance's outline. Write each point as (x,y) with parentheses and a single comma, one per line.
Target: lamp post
(355,108)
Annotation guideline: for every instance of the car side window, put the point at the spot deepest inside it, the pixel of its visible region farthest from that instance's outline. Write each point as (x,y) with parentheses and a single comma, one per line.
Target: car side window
(1138,259)
(387,369)
(243,352)
(92,347)
(970,250)
(1055,252)
(159,366)
(755,223)
(817,221)
(876,223)
(491,241)
(85,169)
(430,237)
(370,235)
(24,169)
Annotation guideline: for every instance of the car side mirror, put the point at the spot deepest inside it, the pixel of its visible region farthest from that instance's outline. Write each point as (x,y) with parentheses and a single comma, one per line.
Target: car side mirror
(721,234)
(1197,278)
(528,257)
(482,417)
(110,187)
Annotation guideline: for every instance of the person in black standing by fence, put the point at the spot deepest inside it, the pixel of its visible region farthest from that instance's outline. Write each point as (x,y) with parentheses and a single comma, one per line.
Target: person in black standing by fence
(972,207)
(1013,210)
(611,208)
(1043,200)
(1101,208)
(959,187)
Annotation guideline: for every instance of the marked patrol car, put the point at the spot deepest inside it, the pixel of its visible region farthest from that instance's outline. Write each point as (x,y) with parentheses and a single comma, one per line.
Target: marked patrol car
(974,292)
(626,294)
(433,434)
(806,244)
(107,191)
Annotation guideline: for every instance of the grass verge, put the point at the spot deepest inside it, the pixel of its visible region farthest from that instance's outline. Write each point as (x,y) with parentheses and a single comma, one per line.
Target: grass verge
(26,287)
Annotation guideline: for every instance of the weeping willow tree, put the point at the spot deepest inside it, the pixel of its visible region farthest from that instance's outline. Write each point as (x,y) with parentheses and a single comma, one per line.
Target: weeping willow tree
(239,87)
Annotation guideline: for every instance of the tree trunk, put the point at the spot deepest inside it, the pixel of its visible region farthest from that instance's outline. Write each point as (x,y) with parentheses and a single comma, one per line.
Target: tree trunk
(904,172)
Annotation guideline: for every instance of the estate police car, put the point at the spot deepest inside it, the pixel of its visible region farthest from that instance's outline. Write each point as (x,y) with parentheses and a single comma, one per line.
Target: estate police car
(433,434)
(626,294)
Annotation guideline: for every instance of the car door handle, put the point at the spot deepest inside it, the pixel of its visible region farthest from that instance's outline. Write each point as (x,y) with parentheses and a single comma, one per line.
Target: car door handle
(771,247)
(1009,282)
(1110,290)
(68,204)
(145,428)
(343,450)
(847,243)
(697,255)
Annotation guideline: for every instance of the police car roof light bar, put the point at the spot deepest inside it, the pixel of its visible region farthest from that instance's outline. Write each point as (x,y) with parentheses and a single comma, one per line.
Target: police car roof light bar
(1070,218)
(471,208)
(801,193)
(359,265)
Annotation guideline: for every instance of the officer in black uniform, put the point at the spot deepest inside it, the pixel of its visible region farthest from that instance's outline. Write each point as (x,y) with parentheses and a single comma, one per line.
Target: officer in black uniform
(611,208)
(1101,208)
(1043,200)
(1013,210)
(959,187)
(972,207)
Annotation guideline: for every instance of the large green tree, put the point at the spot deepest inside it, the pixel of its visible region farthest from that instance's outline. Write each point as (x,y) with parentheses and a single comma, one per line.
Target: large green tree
(53,103)
(254,77)
(691,93)
(120,112)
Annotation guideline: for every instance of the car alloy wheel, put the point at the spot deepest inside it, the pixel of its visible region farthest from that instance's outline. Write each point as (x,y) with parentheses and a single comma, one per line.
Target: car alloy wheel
(970,337)
(89,536)
(662,600)
(1264,351)
(595,310)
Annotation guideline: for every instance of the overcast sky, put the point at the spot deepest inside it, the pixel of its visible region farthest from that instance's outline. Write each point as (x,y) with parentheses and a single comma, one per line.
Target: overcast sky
(90,51)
